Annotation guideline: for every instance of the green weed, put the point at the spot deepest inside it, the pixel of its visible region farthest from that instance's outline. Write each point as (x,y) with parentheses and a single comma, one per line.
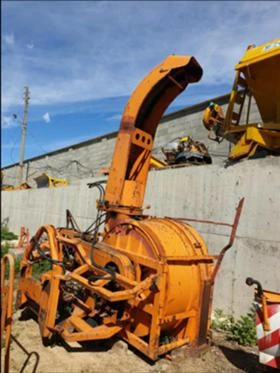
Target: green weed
(220,321)
(243,330)
(40,267)
(4,250)
(6,234)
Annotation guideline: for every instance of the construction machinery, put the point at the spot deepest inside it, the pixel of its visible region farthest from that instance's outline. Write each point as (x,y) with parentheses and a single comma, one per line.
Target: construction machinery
(22,186)
(148,280)
(179,151)
(42,181)
(257,77)
(46,181)
(267,305)
(185,150)
(157,163)
(8,187)
(154,163)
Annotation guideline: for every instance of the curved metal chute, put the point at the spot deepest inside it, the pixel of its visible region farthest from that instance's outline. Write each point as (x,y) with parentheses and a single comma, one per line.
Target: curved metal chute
(130,164)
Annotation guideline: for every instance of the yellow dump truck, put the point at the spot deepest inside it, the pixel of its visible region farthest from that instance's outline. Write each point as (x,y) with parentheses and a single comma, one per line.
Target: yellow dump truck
(257,76)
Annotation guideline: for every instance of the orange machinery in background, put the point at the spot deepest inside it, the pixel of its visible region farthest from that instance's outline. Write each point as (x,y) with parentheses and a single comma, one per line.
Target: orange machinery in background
(258,77)
(147,279)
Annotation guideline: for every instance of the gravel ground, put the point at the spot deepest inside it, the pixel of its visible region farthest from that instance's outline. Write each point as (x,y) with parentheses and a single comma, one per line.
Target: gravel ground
(118,357)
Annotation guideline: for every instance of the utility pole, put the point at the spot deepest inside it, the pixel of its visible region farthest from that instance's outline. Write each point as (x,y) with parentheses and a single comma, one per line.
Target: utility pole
(23,133)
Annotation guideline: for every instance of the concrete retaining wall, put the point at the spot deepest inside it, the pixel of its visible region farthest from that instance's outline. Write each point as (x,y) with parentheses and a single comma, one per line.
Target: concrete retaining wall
(209,192)
(212,193)
(85,159)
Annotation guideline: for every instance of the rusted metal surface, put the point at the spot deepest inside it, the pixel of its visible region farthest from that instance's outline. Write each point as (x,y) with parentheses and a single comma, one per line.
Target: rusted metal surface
(204,313)
(29,356)
(231,239)
(24,238)
(148,280)
(149,296)
(7,289)
(135,247)
(234,226)
(202,221)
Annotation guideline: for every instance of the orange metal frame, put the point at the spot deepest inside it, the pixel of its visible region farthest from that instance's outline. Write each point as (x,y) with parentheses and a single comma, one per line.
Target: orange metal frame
(151,291)
(7,290)
(147,279)
(128,173)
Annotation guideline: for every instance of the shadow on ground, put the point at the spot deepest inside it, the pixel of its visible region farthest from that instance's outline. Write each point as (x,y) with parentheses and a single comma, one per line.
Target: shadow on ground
(87,346)
(245,361)
(101,346)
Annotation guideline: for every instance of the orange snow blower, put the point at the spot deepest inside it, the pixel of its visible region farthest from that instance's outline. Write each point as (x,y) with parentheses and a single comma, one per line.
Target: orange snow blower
(148,280)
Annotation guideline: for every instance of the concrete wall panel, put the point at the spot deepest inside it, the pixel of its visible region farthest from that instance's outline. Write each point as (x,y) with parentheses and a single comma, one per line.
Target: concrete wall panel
(208,192)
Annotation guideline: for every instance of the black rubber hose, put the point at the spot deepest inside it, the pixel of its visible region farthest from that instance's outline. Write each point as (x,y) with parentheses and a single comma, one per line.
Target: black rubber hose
(53,261)
(107,270)
(94,228)
(250,281)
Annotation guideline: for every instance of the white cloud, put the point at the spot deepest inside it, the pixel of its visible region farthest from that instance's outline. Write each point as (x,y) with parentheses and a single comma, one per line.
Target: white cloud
(114,117)
(10,145)
(30,46)
(47,117)
(8,122)
(8,39)
(106,66)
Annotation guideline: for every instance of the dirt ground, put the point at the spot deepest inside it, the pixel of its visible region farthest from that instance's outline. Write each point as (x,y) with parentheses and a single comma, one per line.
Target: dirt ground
(116,356)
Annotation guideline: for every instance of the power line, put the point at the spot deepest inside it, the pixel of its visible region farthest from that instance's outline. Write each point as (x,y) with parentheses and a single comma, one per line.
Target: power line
(16,140)
(37,142)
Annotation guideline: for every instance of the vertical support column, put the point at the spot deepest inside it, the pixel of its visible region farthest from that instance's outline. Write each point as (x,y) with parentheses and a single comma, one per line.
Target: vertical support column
(153,348)
(205,307)
(23,134)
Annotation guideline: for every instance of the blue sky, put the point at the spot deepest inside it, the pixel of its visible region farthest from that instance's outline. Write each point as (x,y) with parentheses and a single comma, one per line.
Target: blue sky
(82,60)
